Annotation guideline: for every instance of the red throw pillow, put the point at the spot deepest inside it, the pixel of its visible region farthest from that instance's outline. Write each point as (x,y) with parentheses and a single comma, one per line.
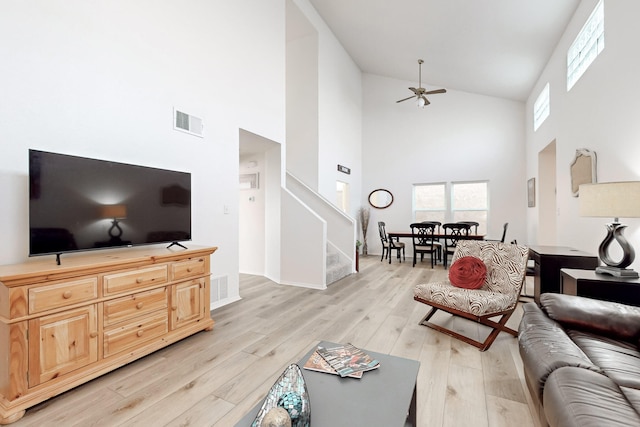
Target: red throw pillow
(468,272)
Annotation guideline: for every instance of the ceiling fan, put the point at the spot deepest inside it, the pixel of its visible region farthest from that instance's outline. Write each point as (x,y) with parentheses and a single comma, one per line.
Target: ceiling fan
(420,92)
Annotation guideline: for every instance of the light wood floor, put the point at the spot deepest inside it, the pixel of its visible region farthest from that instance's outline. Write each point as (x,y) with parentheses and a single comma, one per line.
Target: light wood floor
(214,378)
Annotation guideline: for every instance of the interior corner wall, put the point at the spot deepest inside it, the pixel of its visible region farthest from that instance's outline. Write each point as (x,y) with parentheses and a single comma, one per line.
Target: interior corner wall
(599,113)
(338,126)
(459,137)
(86,79)
(302,97)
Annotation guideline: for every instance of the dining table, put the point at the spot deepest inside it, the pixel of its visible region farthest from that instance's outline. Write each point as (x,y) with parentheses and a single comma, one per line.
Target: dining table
(409,235)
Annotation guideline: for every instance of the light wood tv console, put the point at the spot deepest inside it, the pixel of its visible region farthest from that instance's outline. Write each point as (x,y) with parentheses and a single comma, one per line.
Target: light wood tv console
(63,325)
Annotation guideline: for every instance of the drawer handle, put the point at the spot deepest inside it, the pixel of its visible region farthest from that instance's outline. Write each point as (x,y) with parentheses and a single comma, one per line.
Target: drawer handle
(93,334)
(174,307)
(139,305)
(140,332)
(189,269)
(66,294)
(139,280)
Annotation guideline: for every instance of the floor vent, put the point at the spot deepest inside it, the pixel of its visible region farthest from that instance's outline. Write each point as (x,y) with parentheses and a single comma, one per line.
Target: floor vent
(187,123)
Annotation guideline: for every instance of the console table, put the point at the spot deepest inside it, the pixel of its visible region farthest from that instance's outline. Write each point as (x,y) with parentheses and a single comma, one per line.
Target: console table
(548,260)
(383,397)
(588,283)
(63,325)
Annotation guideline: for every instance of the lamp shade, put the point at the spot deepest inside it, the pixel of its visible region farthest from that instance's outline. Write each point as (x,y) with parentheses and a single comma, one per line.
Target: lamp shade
(113,211)
(610,199)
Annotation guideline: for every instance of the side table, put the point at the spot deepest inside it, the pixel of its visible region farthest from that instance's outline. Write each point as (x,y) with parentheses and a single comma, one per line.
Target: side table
(548,260)
(588,283)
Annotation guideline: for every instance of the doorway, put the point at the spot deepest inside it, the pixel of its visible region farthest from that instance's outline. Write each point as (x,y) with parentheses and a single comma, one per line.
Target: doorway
(342,196)
(547,206)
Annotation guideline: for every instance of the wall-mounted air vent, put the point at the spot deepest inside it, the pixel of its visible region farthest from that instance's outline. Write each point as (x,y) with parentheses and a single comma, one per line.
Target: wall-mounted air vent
(187,123)
(219,288)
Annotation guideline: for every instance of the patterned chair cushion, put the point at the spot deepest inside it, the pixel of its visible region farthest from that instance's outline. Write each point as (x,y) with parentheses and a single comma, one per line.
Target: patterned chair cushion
(506,265)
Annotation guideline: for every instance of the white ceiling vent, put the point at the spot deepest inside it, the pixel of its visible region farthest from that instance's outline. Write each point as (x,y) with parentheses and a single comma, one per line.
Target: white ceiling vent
(187,123)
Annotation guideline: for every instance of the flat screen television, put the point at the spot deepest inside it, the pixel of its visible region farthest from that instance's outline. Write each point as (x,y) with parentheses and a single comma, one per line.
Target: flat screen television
(79,204)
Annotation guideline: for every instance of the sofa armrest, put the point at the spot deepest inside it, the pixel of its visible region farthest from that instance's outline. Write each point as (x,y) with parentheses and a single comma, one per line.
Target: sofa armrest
(590,315)
(545,347)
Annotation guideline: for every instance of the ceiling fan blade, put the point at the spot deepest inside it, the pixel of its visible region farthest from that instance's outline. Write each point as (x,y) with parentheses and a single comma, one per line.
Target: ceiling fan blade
(436,91)
(414,90)
(406,99)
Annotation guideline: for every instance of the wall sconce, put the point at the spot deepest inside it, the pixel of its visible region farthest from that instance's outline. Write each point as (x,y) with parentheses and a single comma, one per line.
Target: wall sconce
(116,212)
(614,200)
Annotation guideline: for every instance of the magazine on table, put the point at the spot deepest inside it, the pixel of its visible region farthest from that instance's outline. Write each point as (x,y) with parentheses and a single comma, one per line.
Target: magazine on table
(347,359)
(317,363)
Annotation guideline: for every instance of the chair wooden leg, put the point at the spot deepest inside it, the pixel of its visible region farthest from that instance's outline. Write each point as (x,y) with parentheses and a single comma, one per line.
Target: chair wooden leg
(497,327)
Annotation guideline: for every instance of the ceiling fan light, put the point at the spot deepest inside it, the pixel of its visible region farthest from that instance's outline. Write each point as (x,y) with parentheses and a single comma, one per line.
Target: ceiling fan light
(422,101)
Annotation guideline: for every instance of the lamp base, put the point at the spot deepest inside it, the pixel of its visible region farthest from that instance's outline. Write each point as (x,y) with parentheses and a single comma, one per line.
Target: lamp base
(617,272)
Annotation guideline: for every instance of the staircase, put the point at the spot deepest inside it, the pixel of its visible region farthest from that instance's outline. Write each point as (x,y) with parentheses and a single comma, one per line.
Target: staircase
(338,265)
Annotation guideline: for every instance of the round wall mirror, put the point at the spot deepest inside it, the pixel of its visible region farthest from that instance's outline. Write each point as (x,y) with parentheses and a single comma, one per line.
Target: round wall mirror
(380,198)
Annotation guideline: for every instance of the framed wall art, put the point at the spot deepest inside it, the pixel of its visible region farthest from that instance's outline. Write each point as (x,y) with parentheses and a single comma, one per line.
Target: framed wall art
(531,193)
(583,169)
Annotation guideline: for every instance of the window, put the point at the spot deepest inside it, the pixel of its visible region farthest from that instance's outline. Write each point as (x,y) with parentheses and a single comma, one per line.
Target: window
(541,108)
(470,202)
(587,45)
(466,201)
(429,202)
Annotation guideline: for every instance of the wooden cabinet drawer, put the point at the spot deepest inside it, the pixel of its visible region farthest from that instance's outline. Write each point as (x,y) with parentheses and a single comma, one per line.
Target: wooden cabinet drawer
(188,268)
(48,297)
(131,306)
(132,280)
(129,335)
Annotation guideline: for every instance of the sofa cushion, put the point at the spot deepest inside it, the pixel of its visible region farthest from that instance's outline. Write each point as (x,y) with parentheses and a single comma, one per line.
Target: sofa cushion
(601,317)
(619,360)
(582,398)
(545,347)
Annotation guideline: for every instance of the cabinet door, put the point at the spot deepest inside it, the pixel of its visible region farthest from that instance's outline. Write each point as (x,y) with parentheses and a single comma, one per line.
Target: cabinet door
(187,302)
(61,343)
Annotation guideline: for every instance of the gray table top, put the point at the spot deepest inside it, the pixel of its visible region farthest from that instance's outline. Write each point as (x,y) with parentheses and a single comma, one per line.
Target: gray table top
(380,398)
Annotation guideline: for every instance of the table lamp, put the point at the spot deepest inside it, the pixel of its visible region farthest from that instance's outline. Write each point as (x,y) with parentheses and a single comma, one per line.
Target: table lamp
(116,212)
(614,200)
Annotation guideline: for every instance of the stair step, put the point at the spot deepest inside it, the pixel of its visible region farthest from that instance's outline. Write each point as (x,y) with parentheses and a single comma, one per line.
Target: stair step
(338,266)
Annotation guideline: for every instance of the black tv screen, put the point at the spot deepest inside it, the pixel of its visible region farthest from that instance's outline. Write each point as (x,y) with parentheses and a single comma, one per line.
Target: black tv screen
(78,204)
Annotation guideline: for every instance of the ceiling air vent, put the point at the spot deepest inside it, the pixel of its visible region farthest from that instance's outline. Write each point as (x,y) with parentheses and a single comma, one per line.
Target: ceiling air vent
(187,123)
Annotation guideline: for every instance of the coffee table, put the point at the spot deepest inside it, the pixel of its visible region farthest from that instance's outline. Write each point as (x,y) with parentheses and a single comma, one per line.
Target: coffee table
(383,397)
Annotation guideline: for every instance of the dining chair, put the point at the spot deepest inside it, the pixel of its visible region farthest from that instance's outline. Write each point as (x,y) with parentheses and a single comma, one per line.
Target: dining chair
(389,244)
(504,234)
(437,230)
(472,224)
(453,232)
(424,242)
(491,304)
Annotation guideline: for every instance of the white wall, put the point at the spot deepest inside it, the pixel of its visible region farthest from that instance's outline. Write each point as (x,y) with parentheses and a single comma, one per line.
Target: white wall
(100,79)
(339,113)
(251,214)
(600,113)
(459,137)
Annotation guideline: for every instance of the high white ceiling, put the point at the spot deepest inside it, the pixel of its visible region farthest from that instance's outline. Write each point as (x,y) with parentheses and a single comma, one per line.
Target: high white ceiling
(491,47)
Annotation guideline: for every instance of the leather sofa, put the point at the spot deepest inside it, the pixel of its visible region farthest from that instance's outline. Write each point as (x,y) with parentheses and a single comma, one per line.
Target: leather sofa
(581,360)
